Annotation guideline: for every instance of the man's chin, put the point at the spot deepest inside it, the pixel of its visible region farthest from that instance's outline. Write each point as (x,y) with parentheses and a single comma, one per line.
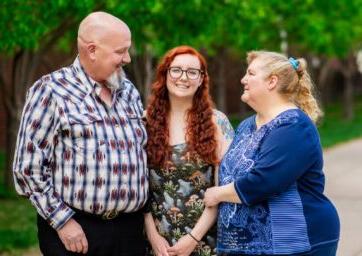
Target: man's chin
(110,86)
(113,81)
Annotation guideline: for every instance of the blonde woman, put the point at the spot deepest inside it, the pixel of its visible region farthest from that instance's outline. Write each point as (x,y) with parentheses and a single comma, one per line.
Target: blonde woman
(271,180)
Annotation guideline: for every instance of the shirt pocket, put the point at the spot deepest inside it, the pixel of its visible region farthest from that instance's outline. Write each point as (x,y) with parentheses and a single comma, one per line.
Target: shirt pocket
(138,126)
(84,132)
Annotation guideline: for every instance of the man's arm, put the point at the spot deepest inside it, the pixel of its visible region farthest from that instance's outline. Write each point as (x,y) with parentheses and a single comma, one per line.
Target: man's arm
(33,158)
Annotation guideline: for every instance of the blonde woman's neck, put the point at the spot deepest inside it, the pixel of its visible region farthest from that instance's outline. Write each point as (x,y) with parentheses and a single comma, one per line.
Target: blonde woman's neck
(268,113)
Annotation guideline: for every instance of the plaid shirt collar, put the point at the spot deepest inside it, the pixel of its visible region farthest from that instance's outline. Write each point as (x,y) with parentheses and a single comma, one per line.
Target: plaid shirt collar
(90,84)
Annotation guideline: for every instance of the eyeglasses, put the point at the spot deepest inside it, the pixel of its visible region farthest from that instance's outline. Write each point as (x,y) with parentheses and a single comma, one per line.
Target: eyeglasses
(191,73)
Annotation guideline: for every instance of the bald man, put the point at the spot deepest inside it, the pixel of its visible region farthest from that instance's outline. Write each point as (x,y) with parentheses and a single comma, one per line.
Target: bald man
(80,155)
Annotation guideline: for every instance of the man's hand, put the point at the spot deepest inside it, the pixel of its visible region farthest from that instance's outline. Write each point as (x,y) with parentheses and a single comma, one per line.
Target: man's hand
(184,246)
(211,196)
(73,237)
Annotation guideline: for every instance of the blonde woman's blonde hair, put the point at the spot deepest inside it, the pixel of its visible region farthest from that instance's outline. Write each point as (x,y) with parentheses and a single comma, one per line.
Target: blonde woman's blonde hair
(295,84)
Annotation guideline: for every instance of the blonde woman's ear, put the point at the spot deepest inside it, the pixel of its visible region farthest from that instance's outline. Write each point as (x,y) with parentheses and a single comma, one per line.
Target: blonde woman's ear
(273,80)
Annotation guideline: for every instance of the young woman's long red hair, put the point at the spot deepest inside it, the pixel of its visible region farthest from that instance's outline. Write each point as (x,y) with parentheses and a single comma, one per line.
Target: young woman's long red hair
(200,129)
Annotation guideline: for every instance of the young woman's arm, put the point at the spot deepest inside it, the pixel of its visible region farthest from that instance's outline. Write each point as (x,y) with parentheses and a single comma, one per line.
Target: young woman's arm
(159,243)
(186,244)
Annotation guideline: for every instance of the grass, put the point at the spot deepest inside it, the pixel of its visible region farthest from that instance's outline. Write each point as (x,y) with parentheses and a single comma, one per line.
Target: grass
(335,129)
(2,167)
(17,225)
(18,217)
(17,220)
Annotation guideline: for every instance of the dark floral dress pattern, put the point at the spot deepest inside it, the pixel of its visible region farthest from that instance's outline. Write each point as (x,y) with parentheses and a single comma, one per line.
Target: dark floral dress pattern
(177,198)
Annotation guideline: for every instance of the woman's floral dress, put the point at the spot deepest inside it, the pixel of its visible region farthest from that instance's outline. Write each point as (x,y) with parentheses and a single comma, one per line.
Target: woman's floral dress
(177,198)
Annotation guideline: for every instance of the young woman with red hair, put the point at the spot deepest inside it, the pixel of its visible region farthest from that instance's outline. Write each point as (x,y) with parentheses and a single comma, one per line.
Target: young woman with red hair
(187,139)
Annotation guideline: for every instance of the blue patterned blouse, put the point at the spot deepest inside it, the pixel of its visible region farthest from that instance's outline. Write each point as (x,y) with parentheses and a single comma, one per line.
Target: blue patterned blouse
(277,172)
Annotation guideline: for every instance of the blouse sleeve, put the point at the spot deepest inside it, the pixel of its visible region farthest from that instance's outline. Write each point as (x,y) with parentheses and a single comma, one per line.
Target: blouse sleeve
(286,153)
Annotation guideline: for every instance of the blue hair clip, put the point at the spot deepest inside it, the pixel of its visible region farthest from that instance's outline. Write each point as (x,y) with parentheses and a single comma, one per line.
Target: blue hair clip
(294,63)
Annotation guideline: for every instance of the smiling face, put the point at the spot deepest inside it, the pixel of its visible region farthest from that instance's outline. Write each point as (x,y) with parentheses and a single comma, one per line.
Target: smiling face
(189,67)
(112,53)
(103,44)
(255,83)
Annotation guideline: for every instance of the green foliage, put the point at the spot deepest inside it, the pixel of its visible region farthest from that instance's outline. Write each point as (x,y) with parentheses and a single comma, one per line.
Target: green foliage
(17,224)
(330,28)
(30,24)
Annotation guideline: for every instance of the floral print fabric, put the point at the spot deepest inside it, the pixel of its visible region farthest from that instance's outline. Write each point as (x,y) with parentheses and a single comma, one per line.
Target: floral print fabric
(177,198)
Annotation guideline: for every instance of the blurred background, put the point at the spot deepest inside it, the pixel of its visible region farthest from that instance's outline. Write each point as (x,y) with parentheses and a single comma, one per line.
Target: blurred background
(39,36)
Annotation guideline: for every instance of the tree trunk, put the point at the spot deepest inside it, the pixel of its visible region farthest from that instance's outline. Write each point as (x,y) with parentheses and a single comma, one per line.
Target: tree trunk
(148,74)
(348,69)
(323,77)
(137,72)
(23,67)
(220,82)
(348,97)
(11,135)
(143,71)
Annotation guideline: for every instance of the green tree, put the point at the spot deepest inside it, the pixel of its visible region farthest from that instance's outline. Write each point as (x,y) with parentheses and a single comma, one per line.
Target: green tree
(221,29)
(30,29)
(331,30)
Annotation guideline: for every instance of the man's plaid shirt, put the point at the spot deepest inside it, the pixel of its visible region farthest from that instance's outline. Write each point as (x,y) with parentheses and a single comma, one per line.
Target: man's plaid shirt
(74,150)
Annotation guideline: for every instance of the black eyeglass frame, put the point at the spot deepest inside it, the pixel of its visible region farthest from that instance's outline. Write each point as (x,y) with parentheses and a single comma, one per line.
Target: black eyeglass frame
(186,70)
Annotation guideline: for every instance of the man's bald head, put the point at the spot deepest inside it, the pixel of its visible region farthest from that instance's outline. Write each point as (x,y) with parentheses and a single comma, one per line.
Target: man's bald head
(98,25)
(103,45)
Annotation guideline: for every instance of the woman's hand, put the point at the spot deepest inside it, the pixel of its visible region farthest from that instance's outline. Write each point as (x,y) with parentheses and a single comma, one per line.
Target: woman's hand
(159,245)
(211,197)
(184,246)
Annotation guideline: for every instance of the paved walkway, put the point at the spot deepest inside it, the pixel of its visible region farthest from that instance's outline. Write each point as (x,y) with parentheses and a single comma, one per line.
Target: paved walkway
(343,169)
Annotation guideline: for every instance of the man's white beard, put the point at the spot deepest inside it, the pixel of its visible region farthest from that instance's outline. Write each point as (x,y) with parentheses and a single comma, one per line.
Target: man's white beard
(115,79)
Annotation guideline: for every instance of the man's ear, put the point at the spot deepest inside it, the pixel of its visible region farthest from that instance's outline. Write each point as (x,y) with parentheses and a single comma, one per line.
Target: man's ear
(273,81)
(91,49)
